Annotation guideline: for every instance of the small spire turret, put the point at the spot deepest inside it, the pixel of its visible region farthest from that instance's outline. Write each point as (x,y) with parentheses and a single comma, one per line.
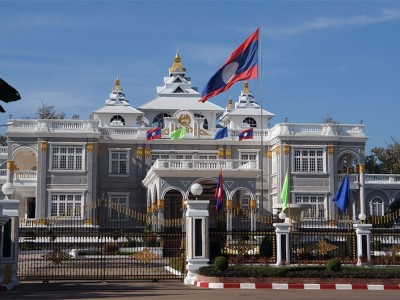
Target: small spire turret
(117,88)
(177,65)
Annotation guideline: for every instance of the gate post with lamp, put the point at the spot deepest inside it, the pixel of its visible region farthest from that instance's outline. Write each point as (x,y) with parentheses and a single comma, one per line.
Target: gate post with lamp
(196,234)
(8,239)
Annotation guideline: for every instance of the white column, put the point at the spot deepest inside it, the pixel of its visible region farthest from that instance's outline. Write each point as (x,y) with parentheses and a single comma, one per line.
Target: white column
(229,215)
(361,169)
(282,233)
(197,242)
(363,232)
(253,215)
(9,264)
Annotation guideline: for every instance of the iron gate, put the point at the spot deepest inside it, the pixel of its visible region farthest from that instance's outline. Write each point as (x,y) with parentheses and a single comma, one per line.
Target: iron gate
(120,245)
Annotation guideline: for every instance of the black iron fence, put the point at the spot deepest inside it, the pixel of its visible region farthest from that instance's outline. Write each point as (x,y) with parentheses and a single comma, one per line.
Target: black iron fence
(122,247)
(317,241)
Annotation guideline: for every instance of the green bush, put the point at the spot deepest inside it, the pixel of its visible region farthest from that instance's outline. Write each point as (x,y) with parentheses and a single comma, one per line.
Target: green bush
(301,272)
(221,263)
(266,247)
(110,248)
(334,265)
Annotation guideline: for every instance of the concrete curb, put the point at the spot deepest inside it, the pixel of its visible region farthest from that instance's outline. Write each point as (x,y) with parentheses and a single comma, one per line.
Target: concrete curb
(296,286)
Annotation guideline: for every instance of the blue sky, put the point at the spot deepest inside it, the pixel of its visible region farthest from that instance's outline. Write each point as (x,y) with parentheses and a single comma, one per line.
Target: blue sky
(338,59)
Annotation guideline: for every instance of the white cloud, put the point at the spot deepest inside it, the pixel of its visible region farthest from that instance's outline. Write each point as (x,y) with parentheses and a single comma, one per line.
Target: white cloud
(386,15)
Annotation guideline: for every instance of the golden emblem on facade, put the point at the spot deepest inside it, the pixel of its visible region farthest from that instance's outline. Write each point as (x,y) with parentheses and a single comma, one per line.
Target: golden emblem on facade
(184,119)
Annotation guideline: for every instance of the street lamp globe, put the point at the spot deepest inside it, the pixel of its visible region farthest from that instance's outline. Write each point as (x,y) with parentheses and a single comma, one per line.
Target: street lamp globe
(7,189)
(362,217)
(196,189)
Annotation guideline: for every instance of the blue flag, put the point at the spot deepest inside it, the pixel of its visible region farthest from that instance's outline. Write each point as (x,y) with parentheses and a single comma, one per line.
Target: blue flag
(341,198)
(222,133)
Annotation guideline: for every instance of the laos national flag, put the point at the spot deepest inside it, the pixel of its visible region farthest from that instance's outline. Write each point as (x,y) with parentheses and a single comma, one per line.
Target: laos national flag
(246,134)
(218,191)
(241,65)
(154,133)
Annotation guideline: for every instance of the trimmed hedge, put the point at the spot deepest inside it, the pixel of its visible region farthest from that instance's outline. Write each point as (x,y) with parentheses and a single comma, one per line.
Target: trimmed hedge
(301,272)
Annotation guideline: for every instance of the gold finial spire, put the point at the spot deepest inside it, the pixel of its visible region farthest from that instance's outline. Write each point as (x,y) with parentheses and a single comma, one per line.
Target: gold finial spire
(177,65)
(230,102)
(246,87)
(117,87)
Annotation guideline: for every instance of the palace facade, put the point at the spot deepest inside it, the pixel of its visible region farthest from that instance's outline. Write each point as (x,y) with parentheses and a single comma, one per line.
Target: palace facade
(61,169)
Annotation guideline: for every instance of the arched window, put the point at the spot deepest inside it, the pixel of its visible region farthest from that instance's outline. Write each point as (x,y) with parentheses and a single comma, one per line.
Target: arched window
(205,123)
(377,207)
(249,122)
(117,121)
(159,119)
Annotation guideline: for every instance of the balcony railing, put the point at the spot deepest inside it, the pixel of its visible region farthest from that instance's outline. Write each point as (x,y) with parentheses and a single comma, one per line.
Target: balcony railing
(373,178)
(205,164)
(139,133)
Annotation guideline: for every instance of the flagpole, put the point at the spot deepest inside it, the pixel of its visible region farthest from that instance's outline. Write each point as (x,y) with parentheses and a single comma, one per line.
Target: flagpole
(260,93)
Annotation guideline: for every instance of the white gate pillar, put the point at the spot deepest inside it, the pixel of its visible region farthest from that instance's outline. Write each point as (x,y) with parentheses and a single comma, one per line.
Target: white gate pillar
(282,243)
(197,242)
(363,232)
(9,236)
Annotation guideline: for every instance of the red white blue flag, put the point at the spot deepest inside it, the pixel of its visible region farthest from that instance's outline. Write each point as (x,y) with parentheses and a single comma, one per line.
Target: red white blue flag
(154,133)
(246,134)
(241,65)
(218,191)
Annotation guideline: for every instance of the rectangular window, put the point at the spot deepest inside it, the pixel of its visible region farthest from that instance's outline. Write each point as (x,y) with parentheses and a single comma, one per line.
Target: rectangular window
(315,204)
(308,160)
(66,205)
(118,207)
(67,157)
(248,160)
(119,161)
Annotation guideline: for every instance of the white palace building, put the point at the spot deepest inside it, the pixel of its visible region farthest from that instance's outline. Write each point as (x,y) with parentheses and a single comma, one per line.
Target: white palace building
(58,168)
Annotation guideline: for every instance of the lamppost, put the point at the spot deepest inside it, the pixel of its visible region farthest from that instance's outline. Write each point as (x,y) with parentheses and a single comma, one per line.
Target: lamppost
(196,189)
(7,189)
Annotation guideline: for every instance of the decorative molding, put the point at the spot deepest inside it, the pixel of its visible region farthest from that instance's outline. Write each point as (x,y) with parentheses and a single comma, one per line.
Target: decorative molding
(228,183)
(286,149)
(89,147)
(160,203)
(268,153)
(10,165)
(204,132)
(139,152)
(185,183)
(43,146)
(331,149)
(166,131)
(147,152)
(221,153)
(253,203)
(228,153)
(278,150)
(228,203)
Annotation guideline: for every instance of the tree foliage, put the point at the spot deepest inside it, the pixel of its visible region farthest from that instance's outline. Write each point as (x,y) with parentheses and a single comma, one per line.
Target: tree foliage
(384,160)
(48,112)
(3,140)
